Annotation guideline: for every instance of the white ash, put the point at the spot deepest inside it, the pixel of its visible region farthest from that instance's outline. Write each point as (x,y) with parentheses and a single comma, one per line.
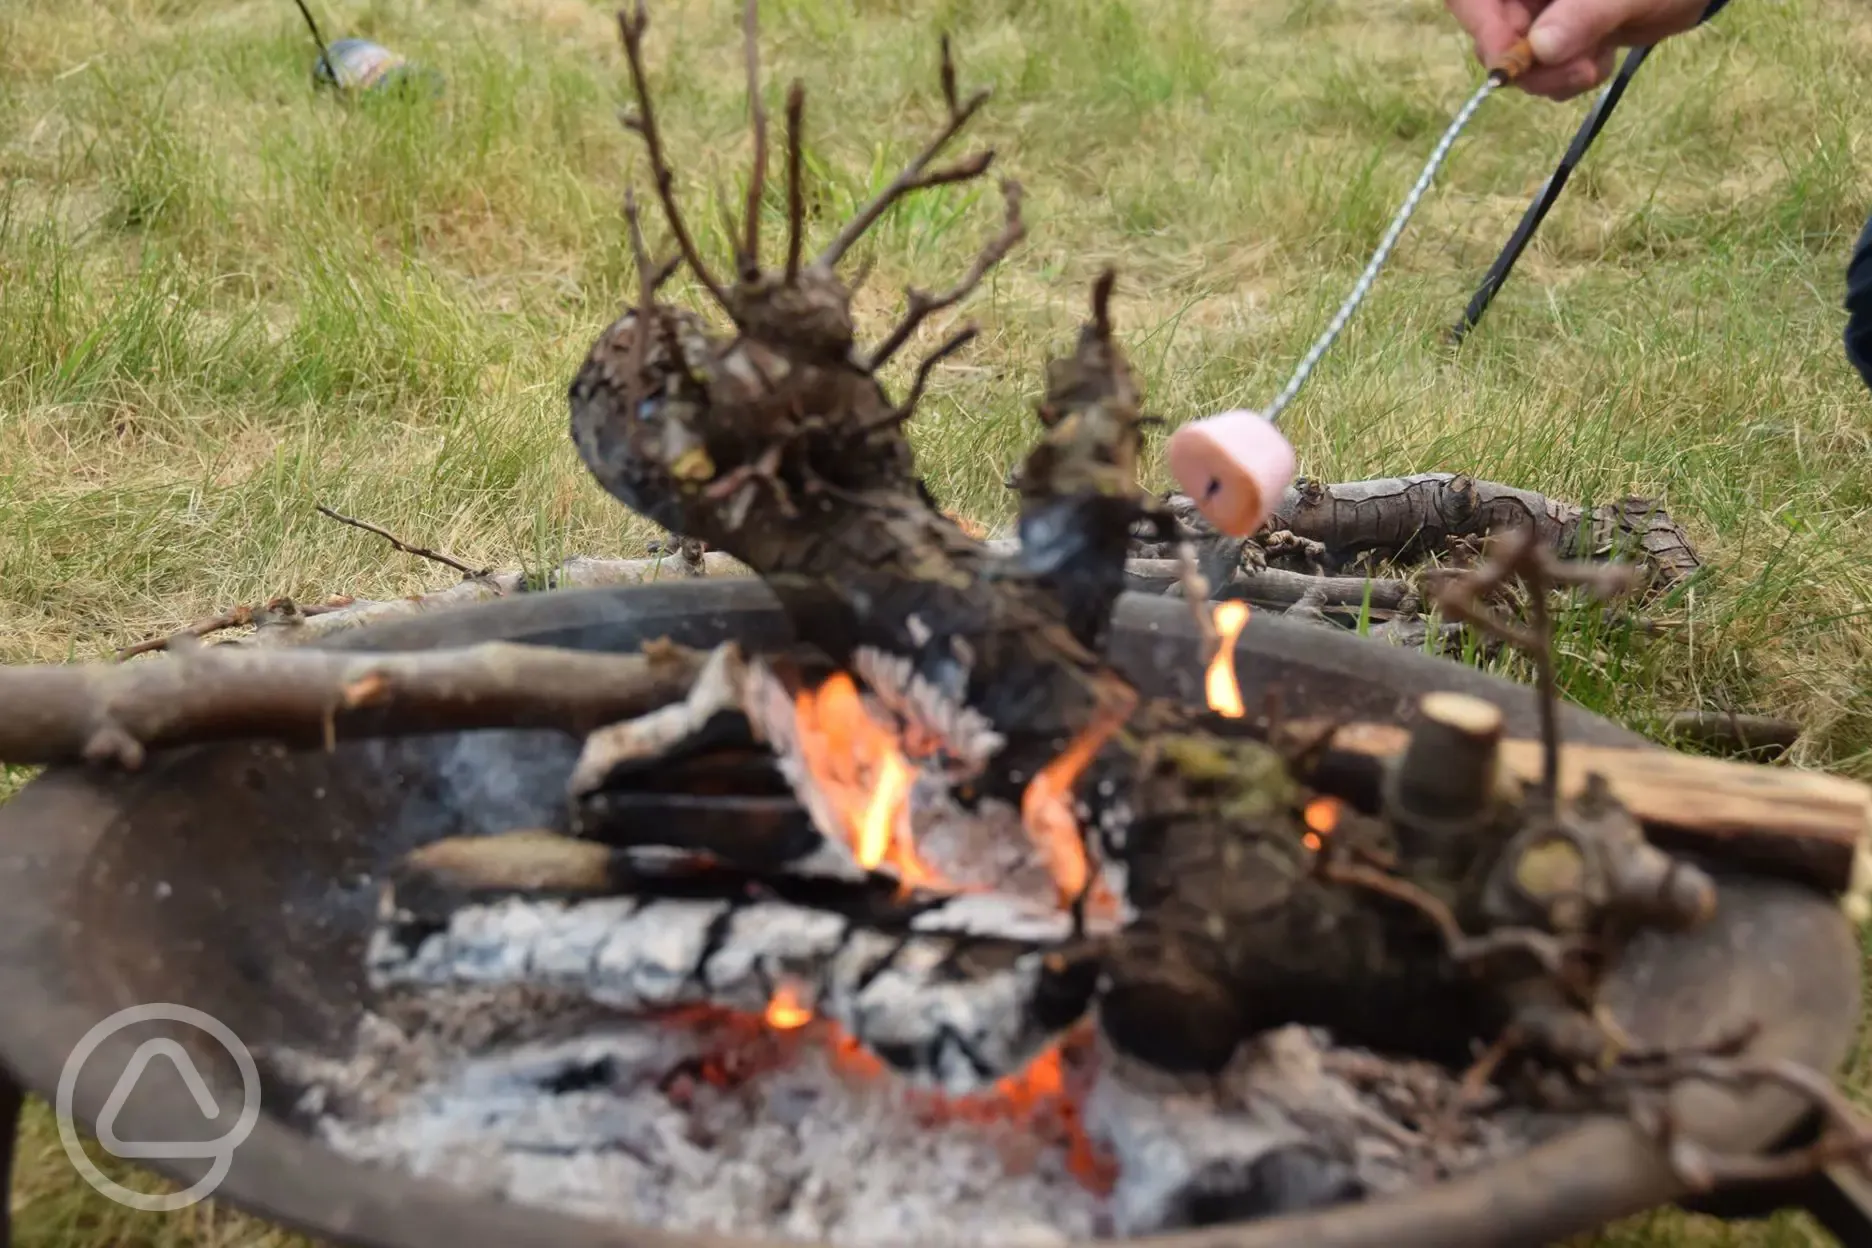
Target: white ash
(614,1124)
(988,847)
(943,1008)
(596,1126)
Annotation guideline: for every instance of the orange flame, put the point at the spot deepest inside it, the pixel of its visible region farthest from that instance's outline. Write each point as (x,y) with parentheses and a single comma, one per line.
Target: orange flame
(1047,812)
(785,1012)
(1321,817)
(1219,685)
(859,768)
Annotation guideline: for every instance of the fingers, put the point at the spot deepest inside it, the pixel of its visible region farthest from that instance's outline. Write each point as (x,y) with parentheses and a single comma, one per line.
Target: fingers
(1576,77)
(1568,30)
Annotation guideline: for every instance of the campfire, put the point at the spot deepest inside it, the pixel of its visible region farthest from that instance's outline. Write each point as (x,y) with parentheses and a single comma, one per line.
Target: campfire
(1039,952)
(933,924)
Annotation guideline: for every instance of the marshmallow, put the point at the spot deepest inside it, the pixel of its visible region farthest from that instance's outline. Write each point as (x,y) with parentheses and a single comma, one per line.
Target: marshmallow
(1235,466)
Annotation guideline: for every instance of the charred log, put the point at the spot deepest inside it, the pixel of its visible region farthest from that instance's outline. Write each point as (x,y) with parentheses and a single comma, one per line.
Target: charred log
(777,445)
(952,991)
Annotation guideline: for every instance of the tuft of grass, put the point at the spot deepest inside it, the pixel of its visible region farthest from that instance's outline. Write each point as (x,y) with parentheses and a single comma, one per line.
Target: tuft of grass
(224,298)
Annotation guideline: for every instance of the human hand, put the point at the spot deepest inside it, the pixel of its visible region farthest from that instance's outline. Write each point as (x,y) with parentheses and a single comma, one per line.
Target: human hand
(1574,41)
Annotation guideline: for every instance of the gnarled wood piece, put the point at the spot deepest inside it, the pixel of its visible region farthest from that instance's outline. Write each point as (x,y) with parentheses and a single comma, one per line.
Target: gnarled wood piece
(1407,517)
(778,446)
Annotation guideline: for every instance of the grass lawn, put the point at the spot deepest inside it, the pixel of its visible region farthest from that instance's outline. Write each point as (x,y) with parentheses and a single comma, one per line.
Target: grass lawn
(223,300)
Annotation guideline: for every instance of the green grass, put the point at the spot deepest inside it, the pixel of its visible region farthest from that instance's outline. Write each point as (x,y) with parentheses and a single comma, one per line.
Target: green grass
(223,299)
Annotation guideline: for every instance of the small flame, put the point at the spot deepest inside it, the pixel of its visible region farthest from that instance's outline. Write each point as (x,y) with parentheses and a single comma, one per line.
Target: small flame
(1220,686)
(888,799)
(1321,817)
(785,1012)
(1047,812)
(860,769)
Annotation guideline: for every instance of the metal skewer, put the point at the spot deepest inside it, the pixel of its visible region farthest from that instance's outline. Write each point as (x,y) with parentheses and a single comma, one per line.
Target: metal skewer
(1517,61)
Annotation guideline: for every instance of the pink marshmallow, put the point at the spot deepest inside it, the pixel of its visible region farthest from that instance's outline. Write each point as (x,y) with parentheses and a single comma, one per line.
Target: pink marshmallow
(1235,465)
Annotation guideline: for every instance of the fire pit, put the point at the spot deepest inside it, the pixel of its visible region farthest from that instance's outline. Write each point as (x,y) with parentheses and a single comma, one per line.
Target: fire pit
(242,880)
(926,890)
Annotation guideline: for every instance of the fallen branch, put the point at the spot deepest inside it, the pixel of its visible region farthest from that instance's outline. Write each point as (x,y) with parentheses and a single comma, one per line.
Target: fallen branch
(1757,736)
(1406,519)
(1402,518)
(421,552)
(116,712)
(238,617)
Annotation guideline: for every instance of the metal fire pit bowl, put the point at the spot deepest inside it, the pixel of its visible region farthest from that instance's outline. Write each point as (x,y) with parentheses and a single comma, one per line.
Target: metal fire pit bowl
(237,880)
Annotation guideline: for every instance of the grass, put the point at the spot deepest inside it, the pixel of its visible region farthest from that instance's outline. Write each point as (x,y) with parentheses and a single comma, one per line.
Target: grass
(223,299)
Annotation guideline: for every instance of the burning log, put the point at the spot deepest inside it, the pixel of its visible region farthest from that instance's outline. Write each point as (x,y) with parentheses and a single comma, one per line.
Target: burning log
(778,446)
(957,991)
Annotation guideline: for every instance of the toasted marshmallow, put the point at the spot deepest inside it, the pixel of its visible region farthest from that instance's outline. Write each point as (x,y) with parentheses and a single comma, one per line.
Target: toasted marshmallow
(1235,466)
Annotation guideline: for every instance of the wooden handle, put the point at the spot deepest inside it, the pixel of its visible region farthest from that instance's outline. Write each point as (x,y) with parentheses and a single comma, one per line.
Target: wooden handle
(1515,62)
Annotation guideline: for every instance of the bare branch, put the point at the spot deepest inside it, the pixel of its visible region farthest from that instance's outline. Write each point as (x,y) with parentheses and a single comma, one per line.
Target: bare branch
(795,191)
(435,556)
(913,177)
(960,339)
(924,305)
(234,617)
(116,712)
(757,113)
(631,27)
(1101,302)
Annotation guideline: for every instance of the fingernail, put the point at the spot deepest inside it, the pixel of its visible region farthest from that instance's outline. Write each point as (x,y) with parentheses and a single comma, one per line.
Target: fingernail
(1551,42)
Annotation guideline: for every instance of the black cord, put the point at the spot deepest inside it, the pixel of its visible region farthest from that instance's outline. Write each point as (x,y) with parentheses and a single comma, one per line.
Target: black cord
(325,52)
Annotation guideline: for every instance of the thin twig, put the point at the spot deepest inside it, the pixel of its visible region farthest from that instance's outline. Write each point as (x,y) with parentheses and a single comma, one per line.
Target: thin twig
(957,341)
(631,29)
(795,190)
(435,556)
(912,177)
(757,112)
(646,288)
(924,305)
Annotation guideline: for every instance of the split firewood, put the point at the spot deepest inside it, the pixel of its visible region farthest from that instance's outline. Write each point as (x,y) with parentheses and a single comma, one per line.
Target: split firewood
(116,713)
(952,991)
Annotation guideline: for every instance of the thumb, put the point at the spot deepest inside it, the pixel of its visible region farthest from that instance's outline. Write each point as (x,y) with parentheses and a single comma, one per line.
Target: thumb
(1569,29)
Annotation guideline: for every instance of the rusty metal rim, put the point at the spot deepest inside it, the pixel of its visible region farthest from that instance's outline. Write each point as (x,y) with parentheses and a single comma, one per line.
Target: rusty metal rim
(1600,1171)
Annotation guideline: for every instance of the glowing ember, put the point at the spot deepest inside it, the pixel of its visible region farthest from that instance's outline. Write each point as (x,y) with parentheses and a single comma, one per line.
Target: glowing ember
(858,766)
(1047,812)
(1038,1095)
(1220,687)
(785,1013)
(1321,817)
